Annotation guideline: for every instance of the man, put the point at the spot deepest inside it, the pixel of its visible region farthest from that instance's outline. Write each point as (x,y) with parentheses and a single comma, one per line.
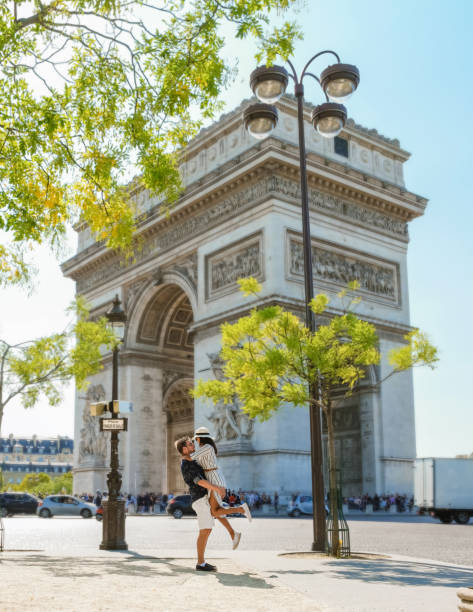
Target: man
(194,477)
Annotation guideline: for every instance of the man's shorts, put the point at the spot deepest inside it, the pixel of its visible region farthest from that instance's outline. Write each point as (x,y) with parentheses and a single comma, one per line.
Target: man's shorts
(204,515)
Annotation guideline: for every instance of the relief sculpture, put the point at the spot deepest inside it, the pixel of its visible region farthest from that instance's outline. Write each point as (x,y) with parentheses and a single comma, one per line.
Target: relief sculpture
(241,264)
(93,443)
(234,204)
(341,269)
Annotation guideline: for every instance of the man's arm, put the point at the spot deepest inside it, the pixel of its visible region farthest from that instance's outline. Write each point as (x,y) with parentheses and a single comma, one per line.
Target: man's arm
(208,485)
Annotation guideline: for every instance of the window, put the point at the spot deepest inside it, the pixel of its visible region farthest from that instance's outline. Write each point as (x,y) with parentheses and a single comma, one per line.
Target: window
(341,146)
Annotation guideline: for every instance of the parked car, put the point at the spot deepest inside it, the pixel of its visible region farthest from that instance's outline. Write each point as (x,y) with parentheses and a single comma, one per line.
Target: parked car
(17,503)
(180,505)
(302,504)
(65,505)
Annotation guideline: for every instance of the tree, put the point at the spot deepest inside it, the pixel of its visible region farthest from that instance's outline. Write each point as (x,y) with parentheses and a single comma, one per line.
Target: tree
(62,484)
(95,90)
(41,367)
(37,484)
(271,359)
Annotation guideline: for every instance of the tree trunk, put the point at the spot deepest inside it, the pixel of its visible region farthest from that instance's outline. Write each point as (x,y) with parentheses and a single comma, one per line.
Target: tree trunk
(332,478)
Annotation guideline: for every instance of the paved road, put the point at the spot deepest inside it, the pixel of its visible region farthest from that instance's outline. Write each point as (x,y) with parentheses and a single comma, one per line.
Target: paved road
(411,536)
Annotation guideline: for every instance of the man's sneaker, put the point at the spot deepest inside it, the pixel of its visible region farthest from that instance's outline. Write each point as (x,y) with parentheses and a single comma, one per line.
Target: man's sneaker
(236,539)
(247,512)
(206,568)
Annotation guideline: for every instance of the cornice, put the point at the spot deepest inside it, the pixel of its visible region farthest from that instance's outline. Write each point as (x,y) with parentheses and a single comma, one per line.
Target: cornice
(273,157)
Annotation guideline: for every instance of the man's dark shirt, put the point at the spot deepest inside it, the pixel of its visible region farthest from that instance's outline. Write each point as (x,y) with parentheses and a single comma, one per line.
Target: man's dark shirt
(192,473)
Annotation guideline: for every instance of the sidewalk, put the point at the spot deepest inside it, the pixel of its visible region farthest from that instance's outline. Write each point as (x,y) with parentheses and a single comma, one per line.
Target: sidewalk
(246,580)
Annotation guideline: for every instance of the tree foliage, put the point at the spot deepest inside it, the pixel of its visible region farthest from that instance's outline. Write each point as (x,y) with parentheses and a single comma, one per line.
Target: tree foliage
(40,368)
(271,359)
(93,88)
(42,484)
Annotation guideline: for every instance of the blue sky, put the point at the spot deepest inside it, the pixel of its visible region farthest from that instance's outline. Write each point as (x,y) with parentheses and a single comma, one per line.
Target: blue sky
(415,61)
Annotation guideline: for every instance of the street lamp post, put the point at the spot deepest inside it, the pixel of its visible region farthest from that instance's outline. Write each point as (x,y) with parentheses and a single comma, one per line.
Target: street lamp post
(113,534)
(338,82)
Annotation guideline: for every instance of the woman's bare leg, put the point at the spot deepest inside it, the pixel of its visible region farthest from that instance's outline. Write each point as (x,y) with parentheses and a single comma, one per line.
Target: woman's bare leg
(218,511)
(215,510)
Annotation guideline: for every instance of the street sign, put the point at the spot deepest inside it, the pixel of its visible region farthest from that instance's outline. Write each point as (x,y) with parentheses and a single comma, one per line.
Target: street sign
(113,424)
(122,406)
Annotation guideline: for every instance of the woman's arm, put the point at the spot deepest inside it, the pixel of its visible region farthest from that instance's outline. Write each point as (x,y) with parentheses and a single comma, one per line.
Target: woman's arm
(204,451)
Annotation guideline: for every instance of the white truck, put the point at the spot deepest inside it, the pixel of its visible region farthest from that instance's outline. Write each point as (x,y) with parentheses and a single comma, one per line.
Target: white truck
(444,488)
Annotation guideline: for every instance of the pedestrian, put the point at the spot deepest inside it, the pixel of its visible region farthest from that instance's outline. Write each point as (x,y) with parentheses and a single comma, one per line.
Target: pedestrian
(164,501)
(276,502)
(194,476)
(206,456)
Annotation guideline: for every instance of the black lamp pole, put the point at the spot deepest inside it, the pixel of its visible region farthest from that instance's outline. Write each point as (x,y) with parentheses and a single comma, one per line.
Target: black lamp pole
(113,533)
(268,84)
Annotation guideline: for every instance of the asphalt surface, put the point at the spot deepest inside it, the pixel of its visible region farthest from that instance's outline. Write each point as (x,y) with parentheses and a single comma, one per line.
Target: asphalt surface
(411,536)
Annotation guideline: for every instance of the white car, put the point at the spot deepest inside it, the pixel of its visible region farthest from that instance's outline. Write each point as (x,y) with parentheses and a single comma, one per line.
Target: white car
(65,505)
(301,504)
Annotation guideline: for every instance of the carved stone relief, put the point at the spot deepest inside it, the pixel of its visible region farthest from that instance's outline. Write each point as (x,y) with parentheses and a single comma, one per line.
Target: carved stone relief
(348,454)
(377,278)
(233,205)
(132,291)
(229,420)
(93,443)
(186,267)
(223,268)
(170,377)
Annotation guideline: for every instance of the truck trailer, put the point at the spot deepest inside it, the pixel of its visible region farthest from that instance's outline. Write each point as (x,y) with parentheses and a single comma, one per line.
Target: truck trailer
(444,488)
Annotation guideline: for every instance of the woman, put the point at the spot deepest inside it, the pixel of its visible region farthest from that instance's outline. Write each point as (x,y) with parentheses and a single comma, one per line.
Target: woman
(206,457)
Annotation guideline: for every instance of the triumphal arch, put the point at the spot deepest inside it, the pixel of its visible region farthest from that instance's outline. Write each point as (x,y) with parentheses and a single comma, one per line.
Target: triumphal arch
(240,215)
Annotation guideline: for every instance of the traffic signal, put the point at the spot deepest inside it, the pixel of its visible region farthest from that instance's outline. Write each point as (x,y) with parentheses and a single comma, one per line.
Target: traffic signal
(98,408)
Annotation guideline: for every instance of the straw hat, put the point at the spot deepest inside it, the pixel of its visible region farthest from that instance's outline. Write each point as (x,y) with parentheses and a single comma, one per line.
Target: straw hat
(202,432)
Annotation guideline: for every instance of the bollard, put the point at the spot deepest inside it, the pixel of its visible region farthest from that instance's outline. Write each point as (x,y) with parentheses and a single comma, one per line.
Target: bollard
(2,535)
(465,595)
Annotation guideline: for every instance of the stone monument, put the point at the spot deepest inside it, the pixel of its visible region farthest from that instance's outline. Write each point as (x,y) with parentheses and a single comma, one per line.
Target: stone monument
(240,215)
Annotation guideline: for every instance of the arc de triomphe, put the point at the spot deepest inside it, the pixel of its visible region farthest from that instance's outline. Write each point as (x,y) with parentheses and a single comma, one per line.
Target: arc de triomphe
(240,215)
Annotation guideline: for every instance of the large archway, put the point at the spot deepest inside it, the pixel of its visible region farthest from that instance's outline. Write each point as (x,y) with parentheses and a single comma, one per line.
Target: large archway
(163,330)
(179,407)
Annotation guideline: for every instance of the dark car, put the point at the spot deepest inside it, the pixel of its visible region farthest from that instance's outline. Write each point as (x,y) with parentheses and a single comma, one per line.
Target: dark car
(180,505)
(17,503)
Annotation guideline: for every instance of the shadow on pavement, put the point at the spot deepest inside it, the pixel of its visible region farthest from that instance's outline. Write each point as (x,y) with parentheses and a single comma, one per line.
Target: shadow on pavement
(133,564)
(398,573)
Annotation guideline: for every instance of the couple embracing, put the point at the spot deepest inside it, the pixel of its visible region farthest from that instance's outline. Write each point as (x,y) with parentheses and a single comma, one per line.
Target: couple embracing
(206,487)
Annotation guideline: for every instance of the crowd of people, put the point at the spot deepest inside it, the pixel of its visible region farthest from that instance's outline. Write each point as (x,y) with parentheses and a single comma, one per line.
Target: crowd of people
(403,503)
(155,503)
(149,503)
(254,499)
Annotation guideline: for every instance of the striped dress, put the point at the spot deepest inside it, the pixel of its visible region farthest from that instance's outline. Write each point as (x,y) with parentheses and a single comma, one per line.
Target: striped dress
(207,459)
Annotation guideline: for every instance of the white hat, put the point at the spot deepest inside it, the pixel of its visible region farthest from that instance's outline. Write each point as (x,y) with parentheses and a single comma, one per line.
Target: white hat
(202,432)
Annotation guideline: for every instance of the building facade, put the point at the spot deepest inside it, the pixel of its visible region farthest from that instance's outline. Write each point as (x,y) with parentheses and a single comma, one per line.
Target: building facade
(22,456)
(240,215)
